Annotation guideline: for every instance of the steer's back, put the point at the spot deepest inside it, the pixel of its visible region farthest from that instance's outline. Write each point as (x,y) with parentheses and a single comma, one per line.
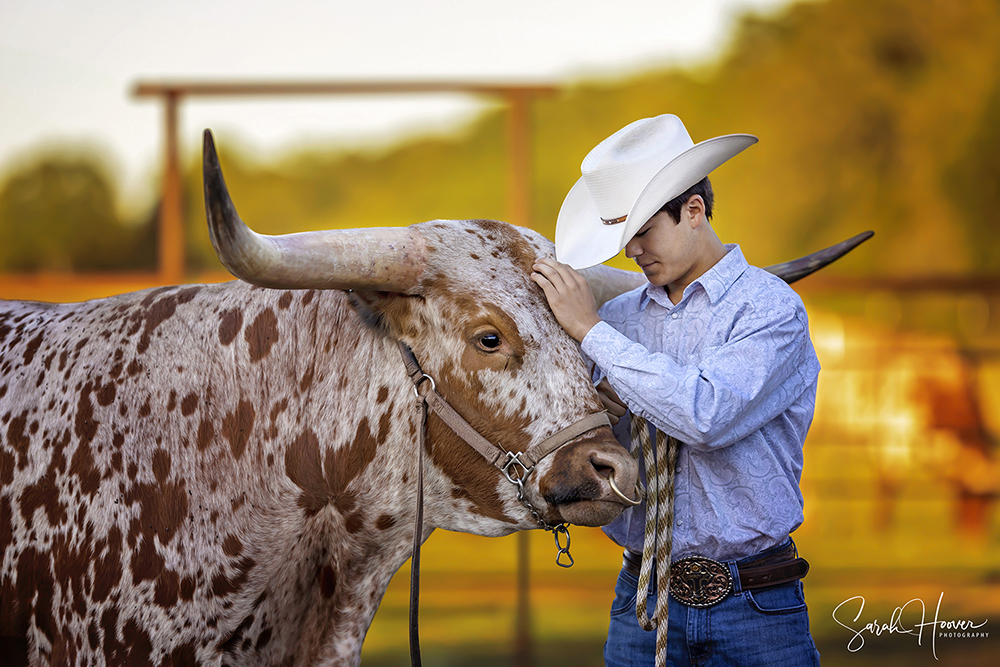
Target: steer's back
(142,485)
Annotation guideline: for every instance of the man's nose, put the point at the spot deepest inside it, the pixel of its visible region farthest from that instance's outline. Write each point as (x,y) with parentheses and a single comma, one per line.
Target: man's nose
(633,249)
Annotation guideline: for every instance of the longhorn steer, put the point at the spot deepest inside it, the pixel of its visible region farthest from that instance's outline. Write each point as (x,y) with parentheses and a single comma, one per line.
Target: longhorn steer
(226,473)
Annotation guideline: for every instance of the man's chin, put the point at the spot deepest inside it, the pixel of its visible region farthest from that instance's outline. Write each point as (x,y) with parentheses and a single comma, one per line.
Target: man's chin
(654,276)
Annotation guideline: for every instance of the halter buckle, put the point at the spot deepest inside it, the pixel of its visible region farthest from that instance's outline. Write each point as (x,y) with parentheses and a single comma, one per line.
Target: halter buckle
(506,469)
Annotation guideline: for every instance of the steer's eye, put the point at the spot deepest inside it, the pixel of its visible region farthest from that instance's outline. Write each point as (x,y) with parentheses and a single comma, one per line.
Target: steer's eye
(490,342)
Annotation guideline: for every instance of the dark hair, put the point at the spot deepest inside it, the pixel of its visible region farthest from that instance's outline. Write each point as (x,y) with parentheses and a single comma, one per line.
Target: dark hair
(702,188)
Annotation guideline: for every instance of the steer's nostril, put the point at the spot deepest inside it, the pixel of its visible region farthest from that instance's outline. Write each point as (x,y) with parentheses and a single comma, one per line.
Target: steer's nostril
(602,470)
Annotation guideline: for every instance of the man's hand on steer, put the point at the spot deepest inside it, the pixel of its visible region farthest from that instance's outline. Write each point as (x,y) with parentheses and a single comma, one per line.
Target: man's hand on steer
(569,296)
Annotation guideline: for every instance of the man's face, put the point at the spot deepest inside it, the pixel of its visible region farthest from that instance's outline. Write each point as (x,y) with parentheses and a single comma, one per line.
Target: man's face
(663,249)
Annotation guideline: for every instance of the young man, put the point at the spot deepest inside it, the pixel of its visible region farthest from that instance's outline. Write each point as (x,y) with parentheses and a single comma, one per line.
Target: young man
(712,352)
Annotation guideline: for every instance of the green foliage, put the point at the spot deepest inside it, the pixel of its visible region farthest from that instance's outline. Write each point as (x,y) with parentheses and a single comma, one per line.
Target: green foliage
(59,215)
(972,183)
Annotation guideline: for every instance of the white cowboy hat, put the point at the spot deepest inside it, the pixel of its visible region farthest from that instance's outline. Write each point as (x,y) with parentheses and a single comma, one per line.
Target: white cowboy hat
(627,178)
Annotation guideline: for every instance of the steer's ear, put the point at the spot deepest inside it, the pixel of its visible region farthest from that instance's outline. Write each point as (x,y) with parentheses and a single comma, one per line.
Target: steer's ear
(387,312)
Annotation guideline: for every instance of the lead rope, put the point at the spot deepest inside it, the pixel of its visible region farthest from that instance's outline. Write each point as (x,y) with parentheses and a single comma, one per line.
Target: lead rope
(418,526)
(658,537)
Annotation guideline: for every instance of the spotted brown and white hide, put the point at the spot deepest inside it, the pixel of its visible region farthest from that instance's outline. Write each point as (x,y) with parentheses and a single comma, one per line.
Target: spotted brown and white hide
(224,474)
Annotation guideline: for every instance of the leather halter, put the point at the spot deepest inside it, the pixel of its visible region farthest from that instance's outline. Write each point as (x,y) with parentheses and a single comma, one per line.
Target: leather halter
(505,461)
(499,457)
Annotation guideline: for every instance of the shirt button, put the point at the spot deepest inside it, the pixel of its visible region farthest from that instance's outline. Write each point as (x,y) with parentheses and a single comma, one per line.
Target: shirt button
(674,316)
(680,523)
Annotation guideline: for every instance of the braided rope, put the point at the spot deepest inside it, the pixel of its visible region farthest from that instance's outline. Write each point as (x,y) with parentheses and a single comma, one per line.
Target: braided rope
(660,468)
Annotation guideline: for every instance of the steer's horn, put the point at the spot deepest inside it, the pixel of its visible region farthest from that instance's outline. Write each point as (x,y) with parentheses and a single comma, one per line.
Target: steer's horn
(606,282)
(389,259)
(802,267)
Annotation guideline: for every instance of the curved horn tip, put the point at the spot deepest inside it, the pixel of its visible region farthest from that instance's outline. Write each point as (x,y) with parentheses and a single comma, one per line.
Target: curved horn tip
(225,229)
(797,269)
(213,181)
(209,155)
(840,249)
(860,238)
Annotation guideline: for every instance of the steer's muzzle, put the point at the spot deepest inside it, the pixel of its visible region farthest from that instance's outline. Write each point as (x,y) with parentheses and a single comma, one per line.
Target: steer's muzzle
(577,484)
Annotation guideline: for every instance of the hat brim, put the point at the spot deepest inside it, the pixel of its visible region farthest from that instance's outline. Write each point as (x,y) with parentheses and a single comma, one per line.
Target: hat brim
(582,238)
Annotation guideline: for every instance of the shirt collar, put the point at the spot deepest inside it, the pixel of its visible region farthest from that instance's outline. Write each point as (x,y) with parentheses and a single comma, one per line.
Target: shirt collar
(716,281)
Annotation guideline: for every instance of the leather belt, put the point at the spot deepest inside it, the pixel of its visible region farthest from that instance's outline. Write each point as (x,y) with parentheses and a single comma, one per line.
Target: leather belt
(702,582)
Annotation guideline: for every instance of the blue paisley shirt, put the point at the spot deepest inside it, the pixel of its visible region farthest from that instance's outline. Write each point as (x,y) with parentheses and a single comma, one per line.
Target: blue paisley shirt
(731,373)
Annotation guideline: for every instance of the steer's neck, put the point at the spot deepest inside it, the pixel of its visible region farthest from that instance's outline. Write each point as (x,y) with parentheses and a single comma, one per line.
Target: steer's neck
(343,421)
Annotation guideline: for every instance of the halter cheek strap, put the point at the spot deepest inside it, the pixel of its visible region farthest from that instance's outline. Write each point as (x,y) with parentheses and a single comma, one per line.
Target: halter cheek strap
(515,466)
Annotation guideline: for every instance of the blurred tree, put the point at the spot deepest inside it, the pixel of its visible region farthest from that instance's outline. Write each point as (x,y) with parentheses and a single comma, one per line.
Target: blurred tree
(973,183)
(59,214)
(871,116)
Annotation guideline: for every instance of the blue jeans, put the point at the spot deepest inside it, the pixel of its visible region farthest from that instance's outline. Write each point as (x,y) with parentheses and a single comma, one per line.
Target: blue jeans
(767,627)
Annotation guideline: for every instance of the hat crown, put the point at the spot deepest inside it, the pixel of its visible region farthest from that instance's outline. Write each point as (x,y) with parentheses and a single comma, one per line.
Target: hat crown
(627,178)
(618,169)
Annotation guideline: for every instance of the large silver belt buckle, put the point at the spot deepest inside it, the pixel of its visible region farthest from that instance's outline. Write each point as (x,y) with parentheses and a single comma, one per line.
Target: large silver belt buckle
(700,582)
